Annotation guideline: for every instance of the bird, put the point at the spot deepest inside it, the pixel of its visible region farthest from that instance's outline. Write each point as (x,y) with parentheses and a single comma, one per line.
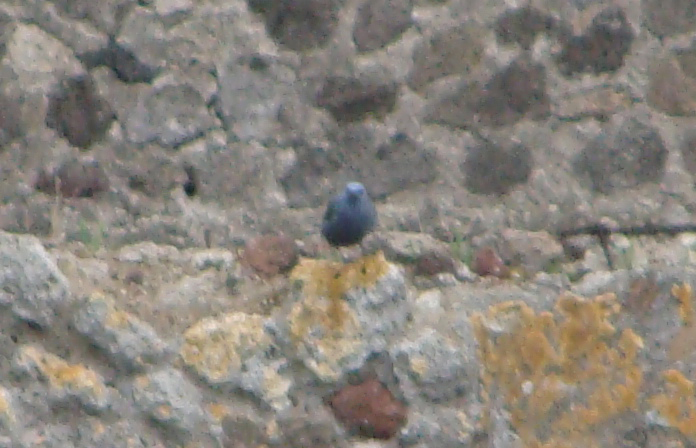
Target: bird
(349,216)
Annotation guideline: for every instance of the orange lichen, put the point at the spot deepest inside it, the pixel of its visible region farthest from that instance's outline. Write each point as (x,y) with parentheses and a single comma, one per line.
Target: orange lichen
(218,411)
(686,305)
(561,373)
(331,280)
(681,345)
(677,404)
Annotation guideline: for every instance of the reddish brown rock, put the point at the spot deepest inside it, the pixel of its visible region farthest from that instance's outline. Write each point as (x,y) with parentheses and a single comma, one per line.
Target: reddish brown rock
(434,263)
(369,409)
(270,255)
(74,179)
(487,262)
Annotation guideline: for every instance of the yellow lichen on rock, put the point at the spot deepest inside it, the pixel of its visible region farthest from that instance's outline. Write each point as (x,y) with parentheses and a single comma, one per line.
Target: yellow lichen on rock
(677,405)
(62,375)
(686,305)
(325,328)
(216,347)
(331,280)
(558,374)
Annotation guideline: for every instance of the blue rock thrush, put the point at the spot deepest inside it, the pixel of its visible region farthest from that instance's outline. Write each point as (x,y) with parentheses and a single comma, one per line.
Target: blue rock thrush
(349,216)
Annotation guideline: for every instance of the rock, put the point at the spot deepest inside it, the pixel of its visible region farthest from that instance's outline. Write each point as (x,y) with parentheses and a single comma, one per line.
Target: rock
(603,46)
(65,382)
(171,115)
(74,178)
(369,409)
(533,251)
(523,25)
(342,314)
(39,59)
(8,412)
(252,90)
(514,93)
(453,51)
(219,259)
(299,24)
(235,351)
(310,424)
(670,17)
(672,89)
(492,168)
(630,152)
(380,22)
(389,166)
(487,262)
(407,247)
(435,363)
(350,99)
(356,155)
(11,125)
(437,426)
(33,286)
(270,255)
(168,398)
(122,61)
(128,342)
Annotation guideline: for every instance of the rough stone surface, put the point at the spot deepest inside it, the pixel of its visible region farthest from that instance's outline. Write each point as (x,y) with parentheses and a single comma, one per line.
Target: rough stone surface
(670,17)
(339,308)
(630,153)
(65,381)
(380,22)
(435,363)
(355,98)
(369,409)
(171,115)
(455,51)
(492,168)
(33,287)
(168,398)
(77,112)
(235,350)
(144,143)
(126,340)
(517,91)
(603,46)
(74,178)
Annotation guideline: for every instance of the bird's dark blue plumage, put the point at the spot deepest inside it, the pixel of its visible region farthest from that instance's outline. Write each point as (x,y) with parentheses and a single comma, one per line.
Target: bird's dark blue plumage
(349,216)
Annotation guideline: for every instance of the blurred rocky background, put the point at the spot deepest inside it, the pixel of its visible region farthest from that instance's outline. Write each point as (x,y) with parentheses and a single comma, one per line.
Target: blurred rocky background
(164,166)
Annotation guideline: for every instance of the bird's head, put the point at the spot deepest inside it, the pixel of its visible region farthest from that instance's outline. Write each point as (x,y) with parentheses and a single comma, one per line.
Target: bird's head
(354,191)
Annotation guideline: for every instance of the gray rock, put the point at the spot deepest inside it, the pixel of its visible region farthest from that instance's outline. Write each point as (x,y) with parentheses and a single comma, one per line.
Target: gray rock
(168,398)
(407,247)
(127,341)
(252,89)
(32,285)
(533,251)
(453,51)
(628,153)
(171,115)
(342,314)
(87,433)
(38,59)
(516,92)
(380,22)
(80,35)
(235,351)
(667,18)
(65,382)
(437,427)
(435,363)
